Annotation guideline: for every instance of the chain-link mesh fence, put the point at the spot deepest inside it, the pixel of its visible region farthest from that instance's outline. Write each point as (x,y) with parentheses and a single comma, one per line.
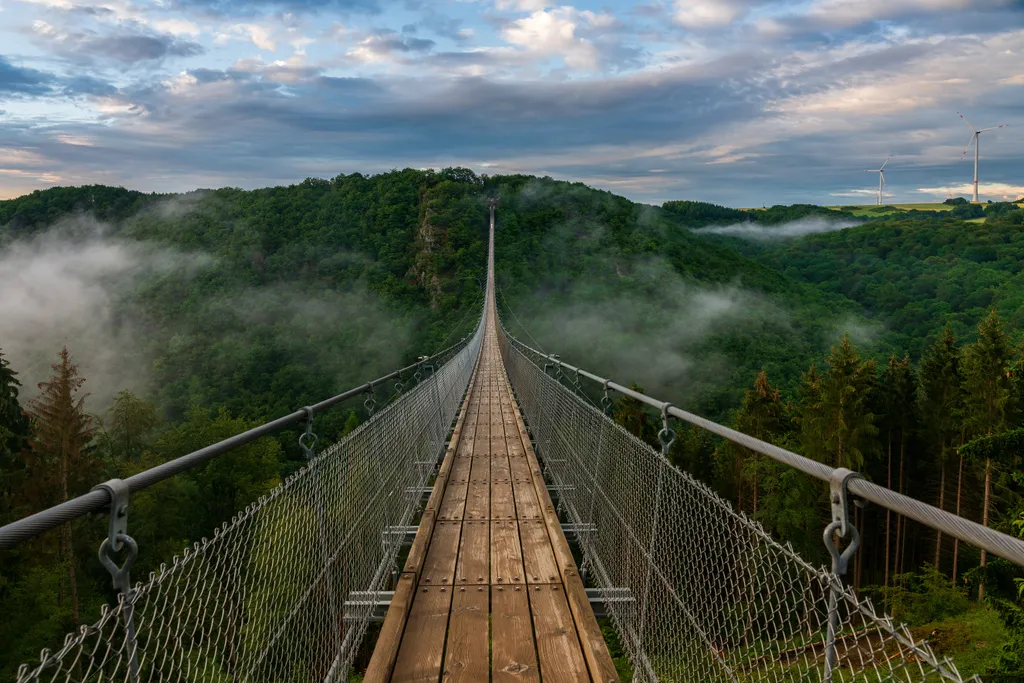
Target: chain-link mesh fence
(264,599)
(703,593)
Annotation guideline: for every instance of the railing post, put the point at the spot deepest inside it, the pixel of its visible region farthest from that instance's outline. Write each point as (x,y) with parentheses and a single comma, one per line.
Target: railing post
(118,538)
(839,527)
(666,436)
(307,442)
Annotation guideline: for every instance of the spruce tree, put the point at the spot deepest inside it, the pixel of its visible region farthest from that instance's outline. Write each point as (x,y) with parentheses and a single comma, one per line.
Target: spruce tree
(988,391)
(62,432)
(15,430)
(762,417)
(837,423)
(129,421)
(895,403)
(941,401)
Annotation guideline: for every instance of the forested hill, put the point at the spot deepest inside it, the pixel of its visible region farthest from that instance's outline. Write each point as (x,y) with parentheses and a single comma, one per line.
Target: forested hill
(914,276)
(262,300)
(192,317)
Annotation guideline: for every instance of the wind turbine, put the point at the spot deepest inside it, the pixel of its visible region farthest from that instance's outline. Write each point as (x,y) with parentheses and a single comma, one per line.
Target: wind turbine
(976,141)
(881,178)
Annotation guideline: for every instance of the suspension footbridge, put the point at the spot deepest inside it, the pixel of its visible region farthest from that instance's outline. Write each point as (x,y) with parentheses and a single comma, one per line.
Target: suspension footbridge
(490,523)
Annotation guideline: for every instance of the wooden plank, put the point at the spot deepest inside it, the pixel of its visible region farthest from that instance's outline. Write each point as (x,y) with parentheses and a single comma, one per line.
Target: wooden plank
(466,657)
(419,657)
(498,445)
(527,505)
(382,662)
(473,566)
(538,558)
(454,504)
(520,468)
(481,469)
(439,567)
(503,504)
(478,499)
(500,470)
(506,553)
(514,658)
(595,649)
(461,469)
(420,544)
(558,646)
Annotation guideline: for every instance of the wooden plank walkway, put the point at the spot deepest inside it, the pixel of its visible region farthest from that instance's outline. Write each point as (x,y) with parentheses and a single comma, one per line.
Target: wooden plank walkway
(490,591)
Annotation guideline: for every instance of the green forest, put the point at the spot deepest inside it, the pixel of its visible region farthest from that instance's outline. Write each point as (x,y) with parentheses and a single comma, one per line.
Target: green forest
(893,347)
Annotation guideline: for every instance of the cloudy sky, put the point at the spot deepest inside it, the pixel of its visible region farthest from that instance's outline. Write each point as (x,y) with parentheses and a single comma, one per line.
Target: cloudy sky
(741,102)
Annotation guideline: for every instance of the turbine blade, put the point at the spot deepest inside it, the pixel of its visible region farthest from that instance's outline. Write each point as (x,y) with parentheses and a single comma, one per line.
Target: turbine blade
(884,163)
(971,142)
(967,123)
(993,128)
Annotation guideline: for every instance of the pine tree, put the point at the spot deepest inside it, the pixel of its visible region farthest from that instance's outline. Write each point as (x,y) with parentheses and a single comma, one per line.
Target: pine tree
(129,421)
(837,424)
(895,402)
(14,433)
(762,417)
(351,423)
(988,391)
(941,401)
(62,431)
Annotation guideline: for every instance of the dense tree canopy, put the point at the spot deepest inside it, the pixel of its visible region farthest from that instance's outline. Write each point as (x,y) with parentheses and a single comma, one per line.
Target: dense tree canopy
(890,347)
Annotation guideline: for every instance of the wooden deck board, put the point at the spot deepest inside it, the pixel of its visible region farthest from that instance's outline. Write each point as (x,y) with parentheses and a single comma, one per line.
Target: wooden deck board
(538,558)
(419,657)
(558,645)
(514,658)
(467,608)
(474,565)
(506,554)
(466,656)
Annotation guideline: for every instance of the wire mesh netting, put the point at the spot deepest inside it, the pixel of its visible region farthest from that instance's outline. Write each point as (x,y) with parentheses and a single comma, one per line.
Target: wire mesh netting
(702,593)
(264,599)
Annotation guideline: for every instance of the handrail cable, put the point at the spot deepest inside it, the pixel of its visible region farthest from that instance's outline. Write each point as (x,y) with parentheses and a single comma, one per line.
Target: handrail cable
(99,499)
(983,537)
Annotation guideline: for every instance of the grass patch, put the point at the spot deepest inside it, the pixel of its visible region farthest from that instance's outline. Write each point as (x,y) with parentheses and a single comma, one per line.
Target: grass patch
(972,639)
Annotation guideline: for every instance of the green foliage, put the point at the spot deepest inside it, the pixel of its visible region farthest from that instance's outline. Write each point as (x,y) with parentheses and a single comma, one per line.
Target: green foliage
(940,393)
(988,386)
(14,435)
(920,597)
(837,425)
(915,276)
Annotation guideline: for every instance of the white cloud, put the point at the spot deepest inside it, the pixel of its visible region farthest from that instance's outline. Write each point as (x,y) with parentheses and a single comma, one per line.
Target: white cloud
(258,35)
(521,5)
(702,14)
(994,191)
(176,27)
(851,12)
(552,33)
(75,140)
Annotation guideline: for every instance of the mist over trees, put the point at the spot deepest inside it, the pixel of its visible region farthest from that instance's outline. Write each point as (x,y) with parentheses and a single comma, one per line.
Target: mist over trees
(892,347)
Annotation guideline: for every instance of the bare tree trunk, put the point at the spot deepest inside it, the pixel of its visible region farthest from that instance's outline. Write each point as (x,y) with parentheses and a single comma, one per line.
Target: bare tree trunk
(900,525)
(903,520)
(959,488)
(984,521)
(756,474)
(888,518)
(739,486)
(68,540)
(942,502)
